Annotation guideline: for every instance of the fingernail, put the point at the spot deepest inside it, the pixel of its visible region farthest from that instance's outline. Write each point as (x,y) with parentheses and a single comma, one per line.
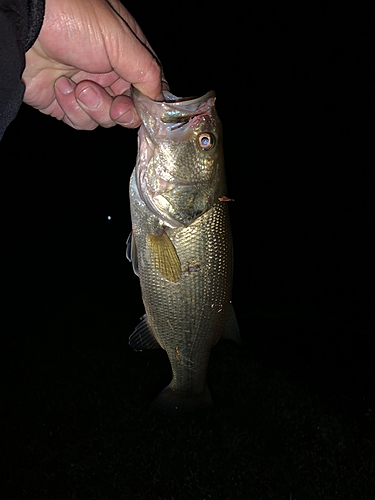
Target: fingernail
(64,85)
(90,97)
(127,118)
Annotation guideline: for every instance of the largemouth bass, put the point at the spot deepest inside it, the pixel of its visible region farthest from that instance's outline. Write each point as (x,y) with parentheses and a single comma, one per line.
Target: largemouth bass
(181,242)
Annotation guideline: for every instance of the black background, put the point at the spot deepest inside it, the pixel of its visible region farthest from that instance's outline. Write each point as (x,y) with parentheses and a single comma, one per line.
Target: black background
(295,95)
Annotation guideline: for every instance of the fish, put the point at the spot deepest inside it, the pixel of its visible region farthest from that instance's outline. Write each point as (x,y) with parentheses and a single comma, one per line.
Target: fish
(181,245)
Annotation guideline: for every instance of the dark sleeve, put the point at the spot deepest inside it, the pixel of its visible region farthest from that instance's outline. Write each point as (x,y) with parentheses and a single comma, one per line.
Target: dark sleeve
(20,23)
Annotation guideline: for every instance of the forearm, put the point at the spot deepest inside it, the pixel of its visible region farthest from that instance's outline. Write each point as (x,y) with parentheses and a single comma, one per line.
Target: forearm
(20,23)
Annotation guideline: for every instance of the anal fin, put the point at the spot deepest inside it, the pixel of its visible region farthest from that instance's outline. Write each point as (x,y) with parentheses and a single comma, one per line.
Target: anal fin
(142,337)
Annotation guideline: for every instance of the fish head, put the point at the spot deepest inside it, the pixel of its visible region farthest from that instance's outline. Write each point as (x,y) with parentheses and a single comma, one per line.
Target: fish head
(180,167)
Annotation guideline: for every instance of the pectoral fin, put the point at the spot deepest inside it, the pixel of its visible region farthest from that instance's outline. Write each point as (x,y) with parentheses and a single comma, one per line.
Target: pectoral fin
(164,256)
(142,337)
(131,252)
(232,332)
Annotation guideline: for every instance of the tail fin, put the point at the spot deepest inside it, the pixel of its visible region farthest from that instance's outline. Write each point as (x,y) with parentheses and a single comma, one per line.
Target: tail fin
(171,402)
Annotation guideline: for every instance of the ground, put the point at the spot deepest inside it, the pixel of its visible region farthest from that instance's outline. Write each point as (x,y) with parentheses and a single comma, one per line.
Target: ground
(293,417)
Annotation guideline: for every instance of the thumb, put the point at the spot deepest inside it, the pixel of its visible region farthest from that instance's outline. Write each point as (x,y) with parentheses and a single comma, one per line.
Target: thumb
(133,59)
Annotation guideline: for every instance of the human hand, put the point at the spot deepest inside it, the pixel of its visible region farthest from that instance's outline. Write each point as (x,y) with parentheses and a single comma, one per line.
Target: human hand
(84,61)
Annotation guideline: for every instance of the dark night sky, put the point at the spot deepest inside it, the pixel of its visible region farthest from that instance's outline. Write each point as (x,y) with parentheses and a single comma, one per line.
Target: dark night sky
(295,404)
(295,96)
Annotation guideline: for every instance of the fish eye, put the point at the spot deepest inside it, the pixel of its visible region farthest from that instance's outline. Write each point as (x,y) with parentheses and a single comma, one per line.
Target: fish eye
(206,141)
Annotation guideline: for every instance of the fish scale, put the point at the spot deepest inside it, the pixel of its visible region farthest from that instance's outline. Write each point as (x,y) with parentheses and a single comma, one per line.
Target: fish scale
(185,268)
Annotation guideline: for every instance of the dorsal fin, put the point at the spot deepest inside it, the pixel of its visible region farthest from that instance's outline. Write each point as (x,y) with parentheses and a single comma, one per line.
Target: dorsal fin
(232,331)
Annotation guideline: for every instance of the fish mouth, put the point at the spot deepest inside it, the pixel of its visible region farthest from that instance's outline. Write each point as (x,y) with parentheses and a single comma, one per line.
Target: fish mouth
(171,112)
(167,98)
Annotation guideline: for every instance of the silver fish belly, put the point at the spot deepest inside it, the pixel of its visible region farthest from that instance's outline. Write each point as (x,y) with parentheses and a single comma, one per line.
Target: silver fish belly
(181,242)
